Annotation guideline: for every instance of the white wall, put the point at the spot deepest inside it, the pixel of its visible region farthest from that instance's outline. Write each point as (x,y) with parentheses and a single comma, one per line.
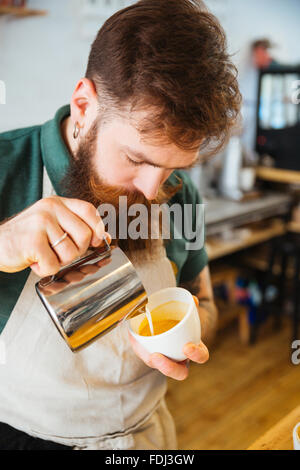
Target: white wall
(41,58)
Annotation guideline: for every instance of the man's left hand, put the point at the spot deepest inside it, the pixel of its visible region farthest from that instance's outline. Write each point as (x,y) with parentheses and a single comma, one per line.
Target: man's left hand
(176,370)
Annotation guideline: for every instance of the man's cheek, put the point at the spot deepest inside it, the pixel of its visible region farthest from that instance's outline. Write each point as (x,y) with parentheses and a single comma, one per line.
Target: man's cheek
(119,175)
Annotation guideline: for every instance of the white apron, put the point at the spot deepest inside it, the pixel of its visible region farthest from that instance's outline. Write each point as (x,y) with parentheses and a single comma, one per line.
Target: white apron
(103,397)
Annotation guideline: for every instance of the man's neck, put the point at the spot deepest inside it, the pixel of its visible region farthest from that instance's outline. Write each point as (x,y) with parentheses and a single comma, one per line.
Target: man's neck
(66,129)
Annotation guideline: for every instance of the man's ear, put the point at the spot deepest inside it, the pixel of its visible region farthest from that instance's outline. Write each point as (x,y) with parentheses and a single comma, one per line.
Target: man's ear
(84,102)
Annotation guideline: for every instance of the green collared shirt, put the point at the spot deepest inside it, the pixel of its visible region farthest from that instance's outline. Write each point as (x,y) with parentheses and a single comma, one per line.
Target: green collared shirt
(23,154)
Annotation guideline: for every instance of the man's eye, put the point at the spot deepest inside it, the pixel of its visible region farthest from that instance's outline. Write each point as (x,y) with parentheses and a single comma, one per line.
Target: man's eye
(132,162)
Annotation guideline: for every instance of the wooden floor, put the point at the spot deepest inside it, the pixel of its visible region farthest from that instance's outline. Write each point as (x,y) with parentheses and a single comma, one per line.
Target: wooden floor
(238,395)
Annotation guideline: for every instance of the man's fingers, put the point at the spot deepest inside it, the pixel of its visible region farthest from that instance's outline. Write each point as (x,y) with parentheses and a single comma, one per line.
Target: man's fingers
(88,213)
(46,262)
(196,352)
(172,369)
(108,237)
(67,250)
(82,231)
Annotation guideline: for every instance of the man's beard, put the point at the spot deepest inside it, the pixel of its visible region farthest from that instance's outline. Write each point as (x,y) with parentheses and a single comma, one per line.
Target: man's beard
(82,181)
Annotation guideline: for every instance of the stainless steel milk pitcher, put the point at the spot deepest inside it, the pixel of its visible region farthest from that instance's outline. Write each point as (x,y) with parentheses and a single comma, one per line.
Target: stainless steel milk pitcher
(89,297)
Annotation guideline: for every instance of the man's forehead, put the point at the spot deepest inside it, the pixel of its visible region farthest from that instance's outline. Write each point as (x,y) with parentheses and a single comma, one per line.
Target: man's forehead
(154,147)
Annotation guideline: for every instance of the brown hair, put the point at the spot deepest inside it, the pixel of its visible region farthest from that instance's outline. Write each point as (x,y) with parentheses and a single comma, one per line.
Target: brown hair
(265,43)
(168,56)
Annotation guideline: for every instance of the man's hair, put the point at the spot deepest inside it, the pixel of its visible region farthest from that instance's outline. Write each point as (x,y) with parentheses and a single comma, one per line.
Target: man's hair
(169,57)
(265,43)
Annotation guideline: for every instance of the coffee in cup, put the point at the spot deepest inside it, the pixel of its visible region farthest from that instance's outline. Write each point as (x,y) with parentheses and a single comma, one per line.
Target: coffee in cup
(175,320)
(161,318)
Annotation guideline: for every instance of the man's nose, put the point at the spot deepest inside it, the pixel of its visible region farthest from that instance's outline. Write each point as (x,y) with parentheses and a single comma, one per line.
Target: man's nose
(149,182)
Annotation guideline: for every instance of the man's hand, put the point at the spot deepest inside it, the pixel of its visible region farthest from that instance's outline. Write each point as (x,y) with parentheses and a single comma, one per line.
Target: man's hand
(176,370)
(26,239)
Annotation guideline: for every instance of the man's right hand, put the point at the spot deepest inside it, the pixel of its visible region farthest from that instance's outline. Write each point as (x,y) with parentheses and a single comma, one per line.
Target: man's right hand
(26,239)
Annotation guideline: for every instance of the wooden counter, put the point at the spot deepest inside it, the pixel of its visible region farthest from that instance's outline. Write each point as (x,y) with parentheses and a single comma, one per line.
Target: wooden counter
(280,436)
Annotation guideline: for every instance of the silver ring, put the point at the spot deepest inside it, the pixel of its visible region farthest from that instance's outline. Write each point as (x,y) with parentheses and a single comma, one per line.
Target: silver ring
(59,240)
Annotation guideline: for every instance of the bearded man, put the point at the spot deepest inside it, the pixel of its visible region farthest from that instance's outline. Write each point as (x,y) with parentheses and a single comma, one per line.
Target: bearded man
(159,93)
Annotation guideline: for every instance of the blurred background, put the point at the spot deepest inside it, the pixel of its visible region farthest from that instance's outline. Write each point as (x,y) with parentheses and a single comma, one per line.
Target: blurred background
(248,394)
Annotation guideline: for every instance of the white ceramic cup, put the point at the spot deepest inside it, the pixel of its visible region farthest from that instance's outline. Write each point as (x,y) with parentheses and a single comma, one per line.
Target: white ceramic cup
(171,342)
(296,439)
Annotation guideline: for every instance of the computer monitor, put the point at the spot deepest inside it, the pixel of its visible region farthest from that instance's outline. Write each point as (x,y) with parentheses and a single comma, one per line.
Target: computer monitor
(278,116)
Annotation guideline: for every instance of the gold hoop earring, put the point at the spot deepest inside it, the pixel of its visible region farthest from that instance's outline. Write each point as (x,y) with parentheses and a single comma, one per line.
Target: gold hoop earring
(76,130)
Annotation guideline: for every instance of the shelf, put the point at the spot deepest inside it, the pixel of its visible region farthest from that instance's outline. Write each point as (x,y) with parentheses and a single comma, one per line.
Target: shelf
(278,175)
(21,11)
(217,248)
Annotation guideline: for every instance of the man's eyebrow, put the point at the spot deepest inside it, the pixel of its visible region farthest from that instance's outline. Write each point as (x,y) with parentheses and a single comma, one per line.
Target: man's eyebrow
(145,159)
